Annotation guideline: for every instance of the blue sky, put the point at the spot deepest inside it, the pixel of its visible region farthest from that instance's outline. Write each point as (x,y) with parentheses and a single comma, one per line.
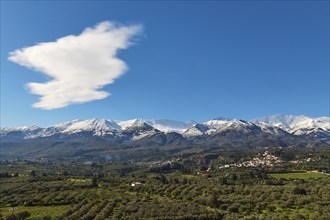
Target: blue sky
(193,60)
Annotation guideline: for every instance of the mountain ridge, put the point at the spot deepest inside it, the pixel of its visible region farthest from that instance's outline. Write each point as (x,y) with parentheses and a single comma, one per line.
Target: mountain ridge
(138,139)
(275,124)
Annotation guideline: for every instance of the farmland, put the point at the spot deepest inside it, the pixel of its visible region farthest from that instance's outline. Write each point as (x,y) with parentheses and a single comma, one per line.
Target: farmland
(184,188)
(299,175)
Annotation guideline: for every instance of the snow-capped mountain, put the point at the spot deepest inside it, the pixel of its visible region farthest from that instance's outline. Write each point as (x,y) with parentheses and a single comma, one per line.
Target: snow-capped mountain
(166,125)
(140,128)
(98,138)
(19,132)
(20,129)
(299,125)
(163,125)
(218,126)
(137,129)
(271,129)
(196,130)
(94,127)
(130,123)
(134,129)
(97,126)
(282,121)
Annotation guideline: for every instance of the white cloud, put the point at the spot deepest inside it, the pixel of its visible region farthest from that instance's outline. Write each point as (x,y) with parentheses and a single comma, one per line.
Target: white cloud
(79,66)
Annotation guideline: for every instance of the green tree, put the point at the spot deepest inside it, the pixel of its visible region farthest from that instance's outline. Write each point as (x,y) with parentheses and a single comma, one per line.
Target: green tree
(94,182)
(299,191)
(23,215)
(33,173)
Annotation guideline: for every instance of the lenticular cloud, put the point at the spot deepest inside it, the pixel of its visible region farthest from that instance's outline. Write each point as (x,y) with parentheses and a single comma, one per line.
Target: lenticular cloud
(79,66)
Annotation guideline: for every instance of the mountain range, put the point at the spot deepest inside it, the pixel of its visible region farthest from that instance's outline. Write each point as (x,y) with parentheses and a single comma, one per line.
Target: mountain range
(79,138)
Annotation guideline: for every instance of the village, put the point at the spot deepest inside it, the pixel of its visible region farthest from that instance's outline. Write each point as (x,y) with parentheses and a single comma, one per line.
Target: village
(262,160)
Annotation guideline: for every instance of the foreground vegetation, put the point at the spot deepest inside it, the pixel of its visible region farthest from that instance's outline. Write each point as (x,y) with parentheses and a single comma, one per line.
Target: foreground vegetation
(287,184)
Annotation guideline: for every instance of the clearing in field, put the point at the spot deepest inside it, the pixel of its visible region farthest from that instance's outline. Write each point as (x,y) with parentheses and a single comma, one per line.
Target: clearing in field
(37,211)
(305,176)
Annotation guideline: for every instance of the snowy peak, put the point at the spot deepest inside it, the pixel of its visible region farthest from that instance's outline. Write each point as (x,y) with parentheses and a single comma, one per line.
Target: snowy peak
(140,128)
(19,132)
(170,125)
(282,121)
(313,126)
(298,125)
(137,129)
(322,122)
(163,125)
(89,125)
(196,130)
(95,126)
(219,126)
(22,129)
(134,123)
(271,129)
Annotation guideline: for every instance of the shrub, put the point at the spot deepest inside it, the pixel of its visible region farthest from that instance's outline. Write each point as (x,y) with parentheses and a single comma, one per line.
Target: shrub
(299,191)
